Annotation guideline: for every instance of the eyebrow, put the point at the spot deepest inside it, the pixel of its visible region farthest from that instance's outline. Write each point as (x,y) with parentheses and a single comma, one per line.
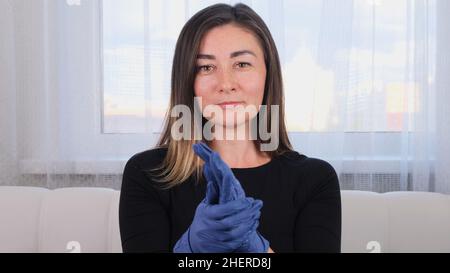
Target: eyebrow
(232,55)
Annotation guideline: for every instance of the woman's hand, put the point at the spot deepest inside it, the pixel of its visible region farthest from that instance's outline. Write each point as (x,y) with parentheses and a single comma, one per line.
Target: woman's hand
(220,228)
(216,171)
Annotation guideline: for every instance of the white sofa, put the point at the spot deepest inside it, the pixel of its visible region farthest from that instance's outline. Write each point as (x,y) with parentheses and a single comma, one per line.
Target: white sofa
(86,220)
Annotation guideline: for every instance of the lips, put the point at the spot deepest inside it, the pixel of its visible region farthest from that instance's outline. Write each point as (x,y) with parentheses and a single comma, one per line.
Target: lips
(230,103)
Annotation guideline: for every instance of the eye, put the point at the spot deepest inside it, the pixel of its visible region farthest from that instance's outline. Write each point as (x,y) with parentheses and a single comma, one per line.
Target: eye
(204,68)
(243,65)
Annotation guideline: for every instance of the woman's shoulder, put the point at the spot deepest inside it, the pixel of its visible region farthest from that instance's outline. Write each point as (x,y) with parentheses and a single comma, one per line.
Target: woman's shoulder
(148,159)
(311,175)
(138,169)
(304,164)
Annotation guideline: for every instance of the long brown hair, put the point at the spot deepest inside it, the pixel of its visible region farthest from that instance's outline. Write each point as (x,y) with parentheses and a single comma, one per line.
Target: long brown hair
(180,161)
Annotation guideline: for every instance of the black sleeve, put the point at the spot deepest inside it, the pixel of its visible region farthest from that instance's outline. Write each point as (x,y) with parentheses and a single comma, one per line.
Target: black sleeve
(318,223)
(144,222)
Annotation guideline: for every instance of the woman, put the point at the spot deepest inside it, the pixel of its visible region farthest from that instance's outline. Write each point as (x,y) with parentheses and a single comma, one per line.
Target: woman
(222,194)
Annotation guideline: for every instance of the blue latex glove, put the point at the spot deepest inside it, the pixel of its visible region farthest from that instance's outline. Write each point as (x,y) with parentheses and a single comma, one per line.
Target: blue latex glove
(229,189)
(220,228)
(217,171)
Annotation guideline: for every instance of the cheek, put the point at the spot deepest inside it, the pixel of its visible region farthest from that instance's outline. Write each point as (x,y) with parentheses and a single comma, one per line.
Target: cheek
(253,86)
(203,87)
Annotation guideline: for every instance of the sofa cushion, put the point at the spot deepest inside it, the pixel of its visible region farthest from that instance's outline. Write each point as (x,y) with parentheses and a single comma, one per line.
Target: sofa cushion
(20,213)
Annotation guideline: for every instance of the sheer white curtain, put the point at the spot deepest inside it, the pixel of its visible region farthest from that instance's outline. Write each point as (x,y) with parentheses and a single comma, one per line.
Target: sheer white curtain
(84,85)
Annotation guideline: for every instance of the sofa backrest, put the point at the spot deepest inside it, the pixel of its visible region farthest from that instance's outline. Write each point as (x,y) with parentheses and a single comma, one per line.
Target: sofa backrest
(61,220)
(86,220)
(395,222)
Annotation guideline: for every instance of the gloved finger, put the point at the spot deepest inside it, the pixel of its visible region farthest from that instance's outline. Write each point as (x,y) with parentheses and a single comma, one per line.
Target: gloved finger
(229,191)
(221,172)
(220,211)
(212,192)
(220,245)
(254,243)
(227,224)
(212,189)
(232,208)
(204,145)
(226,185)
(216,174)
(236,188)
(241,217)
(230,187)
(248,238)
(240,232)
(255,215)
(233,220)
(203,151)
(243,226)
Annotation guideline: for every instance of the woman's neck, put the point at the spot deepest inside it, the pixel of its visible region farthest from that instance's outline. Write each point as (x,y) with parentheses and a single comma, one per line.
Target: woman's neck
(240,153)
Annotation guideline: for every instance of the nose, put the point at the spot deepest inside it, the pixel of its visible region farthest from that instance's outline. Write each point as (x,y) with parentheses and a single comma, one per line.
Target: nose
(227,81)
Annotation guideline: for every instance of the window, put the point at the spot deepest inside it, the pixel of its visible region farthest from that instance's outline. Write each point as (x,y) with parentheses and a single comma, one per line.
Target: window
(347,65)
(138,44)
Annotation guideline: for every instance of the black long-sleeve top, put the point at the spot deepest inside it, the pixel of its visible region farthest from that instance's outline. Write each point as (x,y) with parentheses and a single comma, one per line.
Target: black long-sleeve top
(301,204)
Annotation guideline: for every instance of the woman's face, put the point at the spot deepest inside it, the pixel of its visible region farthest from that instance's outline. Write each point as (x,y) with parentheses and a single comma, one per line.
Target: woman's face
(230,71)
